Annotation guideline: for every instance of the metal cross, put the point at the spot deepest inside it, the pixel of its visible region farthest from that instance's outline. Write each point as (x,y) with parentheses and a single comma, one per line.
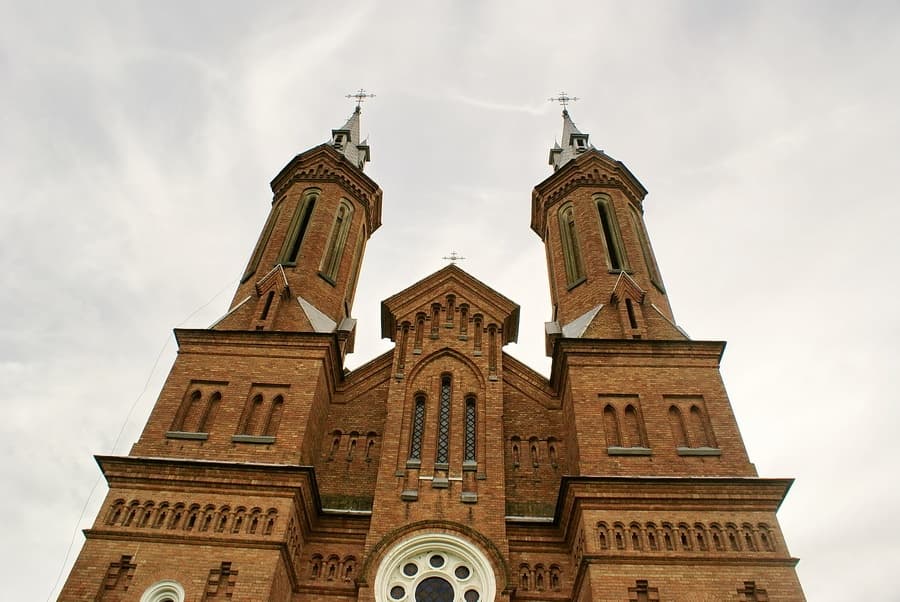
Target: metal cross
(454,257)
(563,99)
(360,96)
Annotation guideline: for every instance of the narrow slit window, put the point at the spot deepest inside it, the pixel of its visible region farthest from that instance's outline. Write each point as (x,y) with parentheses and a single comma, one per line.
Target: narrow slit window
(629,308)
(415,444)
(443,438)
(614,254)
(569,239)
(649,259)
(470,430)
(331,262)
(297,229)
(265,312)
(261,243)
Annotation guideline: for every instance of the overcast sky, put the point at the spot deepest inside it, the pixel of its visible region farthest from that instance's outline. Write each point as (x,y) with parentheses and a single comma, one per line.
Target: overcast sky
(137,141)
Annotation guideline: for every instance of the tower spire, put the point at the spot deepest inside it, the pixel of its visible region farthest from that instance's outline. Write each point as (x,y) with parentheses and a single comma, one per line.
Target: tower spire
(346,139)
(573,142)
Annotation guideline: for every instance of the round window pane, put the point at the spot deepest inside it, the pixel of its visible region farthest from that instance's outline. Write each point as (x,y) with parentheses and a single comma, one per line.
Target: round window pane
(434,589)
(437,561)
(471,596)
(410,569)
(397,592)
(462,572)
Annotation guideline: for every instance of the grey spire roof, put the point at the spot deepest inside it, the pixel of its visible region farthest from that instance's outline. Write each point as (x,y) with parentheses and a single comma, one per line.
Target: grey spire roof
(573,143)
(346,141)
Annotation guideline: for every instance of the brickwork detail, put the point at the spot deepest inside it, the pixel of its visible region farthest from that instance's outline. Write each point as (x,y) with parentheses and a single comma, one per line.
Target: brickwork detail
(642,592)
(540,577)
(673,536)
(332,567)
(181,516)
(118,578)
(220,584)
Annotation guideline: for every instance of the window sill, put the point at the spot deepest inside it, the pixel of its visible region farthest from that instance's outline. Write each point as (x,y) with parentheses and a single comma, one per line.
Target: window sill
(628,451)
(186,435)
(410,495)
(414,464)
(468,497)
(578,282)
(252,439)
(327,279)
(470,466)
(699,451)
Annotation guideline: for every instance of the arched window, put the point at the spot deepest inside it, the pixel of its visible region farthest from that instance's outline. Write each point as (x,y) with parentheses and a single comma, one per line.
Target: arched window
(492,349)
(189,412)
(676,422)
(331,261)
(274,417)
(335,444)
(470,429)
(478,325)
(569,239)
(615,255)
(700,430)
(633,432)
(611,425)
(252,416)
(262,242)
(420,332)
(297,228)
(442,456)
(649,260)
(418,428)
(463,320)
(209,413)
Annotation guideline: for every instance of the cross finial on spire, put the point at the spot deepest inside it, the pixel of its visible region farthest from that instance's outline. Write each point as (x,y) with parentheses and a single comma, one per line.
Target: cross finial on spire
(360,95)
(563,99)
(453,257)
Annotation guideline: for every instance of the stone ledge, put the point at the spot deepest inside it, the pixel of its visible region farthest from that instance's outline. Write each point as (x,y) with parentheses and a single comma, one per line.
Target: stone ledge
(186,435)
(629,451)
(699,451)
(252,439)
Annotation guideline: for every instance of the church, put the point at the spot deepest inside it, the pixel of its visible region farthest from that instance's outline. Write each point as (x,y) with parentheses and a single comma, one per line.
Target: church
(443,470)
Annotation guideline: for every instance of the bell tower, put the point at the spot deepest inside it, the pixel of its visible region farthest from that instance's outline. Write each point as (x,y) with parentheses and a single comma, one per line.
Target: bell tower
(604,279)
(303,272)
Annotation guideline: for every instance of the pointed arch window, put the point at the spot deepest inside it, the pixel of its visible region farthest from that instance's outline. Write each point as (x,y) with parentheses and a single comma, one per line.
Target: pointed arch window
(615,251)
(418,428)
(331,262)
(470,429)
(649,259)
(296,231)
(261,243)
(442,456)
(570,248)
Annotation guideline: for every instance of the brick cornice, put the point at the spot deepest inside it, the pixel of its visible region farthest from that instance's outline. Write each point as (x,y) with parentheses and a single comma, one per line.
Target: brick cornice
(568,352)
(324,164)
(271,343)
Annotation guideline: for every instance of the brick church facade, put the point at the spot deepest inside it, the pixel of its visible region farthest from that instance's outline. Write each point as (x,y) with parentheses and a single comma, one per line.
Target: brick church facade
(444,469)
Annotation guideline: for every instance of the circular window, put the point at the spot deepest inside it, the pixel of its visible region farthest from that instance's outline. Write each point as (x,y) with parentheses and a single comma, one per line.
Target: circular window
(434,589)
(435,568)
